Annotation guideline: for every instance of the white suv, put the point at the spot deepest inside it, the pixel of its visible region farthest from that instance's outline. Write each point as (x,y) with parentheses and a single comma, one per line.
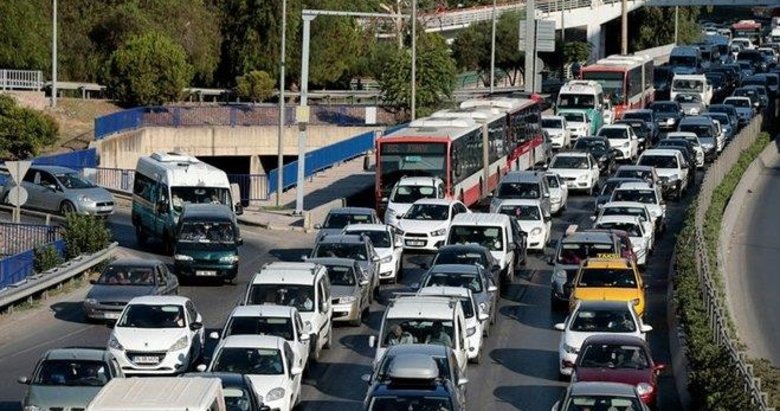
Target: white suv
(578,169)
(532,218)
(672,169)
(476,319)
(425,225)
(622,138)
(157,335)
(407,191)
(304,286)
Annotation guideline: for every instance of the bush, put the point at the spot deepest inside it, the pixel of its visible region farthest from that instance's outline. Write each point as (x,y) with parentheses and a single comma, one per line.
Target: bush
(84,234)
(148,69)
(255,86)
(23,131)
(46,257)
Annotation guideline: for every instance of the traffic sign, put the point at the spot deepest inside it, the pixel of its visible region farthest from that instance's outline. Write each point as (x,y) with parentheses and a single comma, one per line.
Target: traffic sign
(17,196)
(18,169)
(545,35)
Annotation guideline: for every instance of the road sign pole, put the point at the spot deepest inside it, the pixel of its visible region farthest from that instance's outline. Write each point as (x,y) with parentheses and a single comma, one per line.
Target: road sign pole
(530,46)
(303,109)
(17,195)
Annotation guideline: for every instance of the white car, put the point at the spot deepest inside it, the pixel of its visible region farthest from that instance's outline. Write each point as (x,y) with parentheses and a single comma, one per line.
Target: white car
(743,42)
(279,320)
(532,219)
(671,167)
(408,190)
(577,122)
(609,113)
(651,197)
(426,224)
(476,320)
(641,240)
(694,139)
(157,335)
(622,138)
(578,169)
(630,208)
(558,130)
(268,361)
(559,192)
(386,244)
(593,317)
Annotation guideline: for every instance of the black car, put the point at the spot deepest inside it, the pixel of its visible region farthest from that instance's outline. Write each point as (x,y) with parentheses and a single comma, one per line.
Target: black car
(237,389)
(688,153)
(648,116)
(759,100)
(600,149)
(646,134)
(756,59)
(667,114)
(467,254)
(732,72)
(720,88)
(662,81)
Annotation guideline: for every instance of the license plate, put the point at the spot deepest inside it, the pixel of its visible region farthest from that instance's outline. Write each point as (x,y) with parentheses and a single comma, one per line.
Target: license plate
(146,360)
(416,243)
(111,316)
(206,273)
(571,184)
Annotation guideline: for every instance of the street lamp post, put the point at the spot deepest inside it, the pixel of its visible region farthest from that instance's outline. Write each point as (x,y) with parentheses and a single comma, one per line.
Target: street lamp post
(54,55)
(493,51)
(414,60)
(280,145)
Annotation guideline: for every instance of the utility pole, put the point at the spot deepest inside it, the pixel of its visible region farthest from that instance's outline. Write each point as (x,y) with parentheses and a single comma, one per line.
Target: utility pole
(624,28)
(493,51)
(563,36)
(282,107)
(676,22)
(54,54)
(414,59)
(530,47)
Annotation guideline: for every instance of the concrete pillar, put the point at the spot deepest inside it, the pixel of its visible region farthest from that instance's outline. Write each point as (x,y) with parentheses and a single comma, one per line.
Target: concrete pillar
(596,38)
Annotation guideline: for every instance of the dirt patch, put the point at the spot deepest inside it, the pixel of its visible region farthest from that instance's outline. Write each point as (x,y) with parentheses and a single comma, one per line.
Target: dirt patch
(76,118)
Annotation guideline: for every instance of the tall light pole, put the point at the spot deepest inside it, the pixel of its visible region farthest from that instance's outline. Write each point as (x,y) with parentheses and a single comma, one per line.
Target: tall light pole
(563,37)
(54,54)
(624,28)
(414,59)
(676,22)
(493,51)
(280,154)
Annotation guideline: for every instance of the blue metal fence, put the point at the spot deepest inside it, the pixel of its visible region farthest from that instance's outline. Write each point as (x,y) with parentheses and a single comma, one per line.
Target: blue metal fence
(77,159)
(18,267)
(119,121)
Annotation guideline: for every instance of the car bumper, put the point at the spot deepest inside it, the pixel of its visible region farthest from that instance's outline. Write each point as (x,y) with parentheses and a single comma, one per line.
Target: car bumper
(206,270)
(537,242)
(474,343)
(426,243)
(387,271)
(578,184)
(556,203)
(170,363)
(623,153)
(102,313)
(566,362)
(96,209)
(557,141)
(346,312)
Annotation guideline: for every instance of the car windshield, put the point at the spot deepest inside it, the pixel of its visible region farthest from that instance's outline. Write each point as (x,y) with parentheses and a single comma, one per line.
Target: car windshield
(613,356)
(600,321)
(722,118)
(737,102)
(688,85)
(572,117)
(658,161)
(252,361)
(577,162)
(126,275)
(73,180)
(393,403)
(601,402)
(698,129)
(613,133)
(278,326)
(237,398)
(458,257)
(633,230)
(552,181)
(199,195)
(462,280)
(607,277)
(72,373)
(436,212)
(585,101)
(410,194)
(640,196)
(341,220)
(638,115)
(354,251)
(594,146)
(665,107)
(518,190)
(644,175)
(152,316)
(206,232)
(574,253)
(522,212)
(341,275)
(291,295)
(488,237)
(620,210)
(715,79)
(380,239)
(610,186)
(551,123)
(399,331)
(687,98)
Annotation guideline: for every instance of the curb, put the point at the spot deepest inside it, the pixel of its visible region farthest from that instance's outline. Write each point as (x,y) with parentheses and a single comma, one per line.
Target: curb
(676,339)
(270,227)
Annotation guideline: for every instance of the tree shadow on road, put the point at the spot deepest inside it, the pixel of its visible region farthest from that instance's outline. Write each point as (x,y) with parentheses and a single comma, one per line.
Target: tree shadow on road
(359,344)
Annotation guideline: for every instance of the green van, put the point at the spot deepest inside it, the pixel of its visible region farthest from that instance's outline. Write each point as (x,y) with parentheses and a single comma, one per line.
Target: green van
(207,241)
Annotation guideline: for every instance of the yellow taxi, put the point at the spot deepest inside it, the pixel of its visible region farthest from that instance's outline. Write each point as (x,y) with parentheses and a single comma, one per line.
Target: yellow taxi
(609,279)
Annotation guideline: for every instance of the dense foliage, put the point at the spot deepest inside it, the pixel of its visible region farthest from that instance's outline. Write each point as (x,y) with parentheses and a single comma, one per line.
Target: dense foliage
(255,86)
(46,257)
(23,131)
(655,27)
(84,234)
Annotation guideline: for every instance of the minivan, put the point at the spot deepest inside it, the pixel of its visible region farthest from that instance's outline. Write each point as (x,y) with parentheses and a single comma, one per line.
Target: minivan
(207,241)
(526,185)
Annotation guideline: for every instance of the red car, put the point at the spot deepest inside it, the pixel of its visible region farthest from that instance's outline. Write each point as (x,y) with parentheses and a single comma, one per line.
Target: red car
(619,358)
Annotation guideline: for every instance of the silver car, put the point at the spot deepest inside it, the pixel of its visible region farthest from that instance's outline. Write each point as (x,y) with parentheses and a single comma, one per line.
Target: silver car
(358,248)
(63,190)
(349,289)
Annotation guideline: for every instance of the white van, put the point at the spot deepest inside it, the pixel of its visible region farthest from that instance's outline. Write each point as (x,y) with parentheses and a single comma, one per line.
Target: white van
(416,319)
(304,286)
(692,83)
(408,190)
(160,394)
(499,233)
(164,183)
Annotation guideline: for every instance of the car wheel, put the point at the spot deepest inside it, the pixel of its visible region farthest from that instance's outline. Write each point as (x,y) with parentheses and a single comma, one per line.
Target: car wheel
(67,207)
(478,358)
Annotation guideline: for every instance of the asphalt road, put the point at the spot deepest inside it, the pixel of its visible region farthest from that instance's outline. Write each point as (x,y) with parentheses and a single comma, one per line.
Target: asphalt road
(518,372)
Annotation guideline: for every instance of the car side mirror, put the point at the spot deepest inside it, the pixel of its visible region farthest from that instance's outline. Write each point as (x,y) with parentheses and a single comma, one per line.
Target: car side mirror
(239,209)
(304,257)
(496,267)
(375,258)
(463,381)
(304,337)
(492,288)
(195,326)
(560,326)
(201,367)
(214,335)
(364,282)
(415,286)
(550,261)
(23,380)
(547,219)
(296,370)
(93,281)
(317,226)
(366,378)
(482,317)
(659,368)
(372,341)
(53,187)
(646,328)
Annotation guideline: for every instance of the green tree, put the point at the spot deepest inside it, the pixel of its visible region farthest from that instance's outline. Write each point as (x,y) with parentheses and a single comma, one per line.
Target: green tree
(26,35)
(256,86)
(576,51)
(23,131)
(84,234)
(148,69)
(436,74)
(657,27)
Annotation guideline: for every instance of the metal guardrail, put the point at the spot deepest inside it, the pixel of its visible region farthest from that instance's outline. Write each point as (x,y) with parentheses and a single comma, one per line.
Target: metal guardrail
(716,308)
(40,282)
(21,79)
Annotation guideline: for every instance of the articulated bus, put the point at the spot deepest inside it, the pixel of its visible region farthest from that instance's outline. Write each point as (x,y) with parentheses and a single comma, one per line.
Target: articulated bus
(749,29)
(462,147)
(626,80)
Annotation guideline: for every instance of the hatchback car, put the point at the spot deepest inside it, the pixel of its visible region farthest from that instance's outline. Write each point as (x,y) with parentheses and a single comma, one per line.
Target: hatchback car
(352,247)
(691,103)
(477,322)
(338,218)
(350,292)
(601,150)
(426,224)
(605,194)
(388,246)
(559,192)
(532,219)
(582,396)
(667,114)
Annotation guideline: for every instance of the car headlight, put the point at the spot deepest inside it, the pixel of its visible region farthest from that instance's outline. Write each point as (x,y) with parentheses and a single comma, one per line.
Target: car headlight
(387,259)
(470,331)
(32,408)
(670,121)
(536,231)
(398,231)
(569,349)
(90,302)
(229,259)
(275,394)
(346,300)
(635,301)
(86,199)
(438,233)
(582,177)
(114,343)
(644,388)
(182,257)
(180,344)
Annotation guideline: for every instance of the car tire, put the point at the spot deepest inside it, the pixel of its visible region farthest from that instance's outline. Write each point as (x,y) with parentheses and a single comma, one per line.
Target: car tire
(478,358)
(67,207)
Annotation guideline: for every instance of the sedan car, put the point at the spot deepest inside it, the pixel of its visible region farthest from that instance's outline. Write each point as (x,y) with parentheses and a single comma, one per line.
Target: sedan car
(559,192)
(63,190)
(350,293)
(622,138)
(651,123)
(68,378)
(691,103)
(593,318)
(581,396)
(387,245)
(667,114)
(620,358)
(641,240)
(601,150)
(605,194)
(338,218)
(609,279)
(532,219)
(577,122)
(157,336)
(356,248)
(468,254)
(744,108)
(628,208)
(473,277)
(123,280)
(579,170)
(425,226)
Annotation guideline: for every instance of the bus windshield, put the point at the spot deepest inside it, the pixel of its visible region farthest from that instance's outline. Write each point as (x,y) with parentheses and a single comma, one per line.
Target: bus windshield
(611,82)
(411,159)
(576,101)
(199,195)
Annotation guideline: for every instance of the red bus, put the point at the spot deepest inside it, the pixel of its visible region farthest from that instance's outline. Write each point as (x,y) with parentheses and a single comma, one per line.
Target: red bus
(469,148)
(748,29)
(626,80)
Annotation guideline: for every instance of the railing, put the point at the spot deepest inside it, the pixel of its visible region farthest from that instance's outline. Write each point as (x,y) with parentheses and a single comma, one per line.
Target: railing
(17,268)
(716,309)
(117,179)
(252,187)
(76,160)
(21,79)
(15,238)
